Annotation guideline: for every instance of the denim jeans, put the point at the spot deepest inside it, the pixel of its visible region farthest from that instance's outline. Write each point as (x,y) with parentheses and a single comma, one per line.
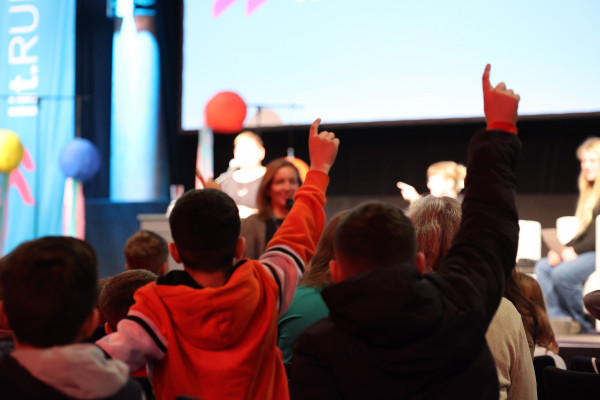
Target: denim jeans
(563,286)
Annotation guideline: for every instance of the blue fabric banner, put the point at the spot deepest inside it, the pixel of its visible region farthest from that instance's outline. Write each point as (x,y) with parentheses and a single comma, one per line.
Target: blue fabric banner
(37,102)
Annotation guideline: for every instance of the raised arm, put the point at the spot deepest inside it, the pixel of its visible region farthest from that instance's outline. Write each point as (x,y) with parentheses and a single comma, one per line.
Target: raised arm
(293,245)
(484,249)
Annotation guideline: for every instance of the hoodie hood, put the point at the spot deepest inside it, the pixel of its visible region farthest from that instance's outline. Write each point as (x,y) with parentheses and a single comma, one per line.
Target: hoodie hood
(385,307)
(79,371)
(210,318)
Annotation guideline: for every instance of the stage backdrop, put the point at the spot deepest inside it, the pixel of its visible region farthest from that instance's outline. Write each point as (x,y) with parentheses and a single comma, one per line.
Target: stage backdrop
(37,103)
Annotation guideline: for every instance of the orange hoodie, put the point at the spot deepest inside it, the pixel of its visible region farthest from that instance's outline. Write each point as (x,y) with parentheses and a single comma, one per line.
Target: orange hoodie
(221,343)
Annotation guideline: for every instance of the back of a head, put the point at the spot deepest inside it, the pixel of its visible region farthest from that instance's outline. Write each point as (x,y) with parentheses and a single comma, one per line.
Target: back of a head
(374,235)
(117,295)
(146,250)
(531,289)
(318,274)
(436,221)
(205,226)
(49,289)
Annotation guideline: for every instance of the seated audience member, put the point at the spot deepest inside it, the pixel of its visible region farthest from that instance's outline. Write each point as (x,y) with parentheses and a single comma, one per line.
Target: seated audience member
(210,331)
(436,220)
(444,178)
(146,250)
(114,302)
(274,200)
(392,333)
(49,295)
(117,295)
(545,342)
(307,305)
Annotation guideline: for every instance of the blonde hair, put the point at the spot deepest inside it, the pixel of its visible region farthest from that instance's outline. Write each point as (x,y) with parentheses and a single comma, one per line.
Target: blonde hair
(589,192)
(249,135)
(449,170)
(436,220)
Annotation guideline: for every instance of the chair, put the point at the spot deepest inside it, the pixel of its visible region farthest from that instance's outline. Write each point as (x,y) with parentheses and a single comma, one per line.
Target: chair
(530,245)
(563,384)
(539,364)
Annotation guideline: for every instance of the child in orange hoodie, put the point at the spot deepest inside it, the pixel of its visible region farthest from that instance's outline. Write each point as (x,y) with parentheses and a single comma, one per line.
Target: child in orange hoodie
(210,331)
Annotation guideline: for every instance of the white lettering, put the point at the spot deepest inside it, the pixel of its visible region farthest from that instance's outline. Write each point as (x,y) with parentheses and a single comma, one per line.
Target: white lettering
(19,84)
(22,58)
(35,19)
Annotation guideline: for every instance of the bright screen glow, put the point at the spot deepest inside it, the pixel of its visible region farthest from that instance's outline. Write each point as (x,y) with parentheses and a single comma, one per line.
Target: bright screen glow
(385,60)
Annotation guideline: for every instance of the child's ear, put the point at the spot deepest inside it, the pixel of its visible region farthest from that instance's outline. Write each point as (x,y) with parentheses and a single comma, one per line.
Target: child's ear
(163,270)
(174,252)
(107,328)
(239,248)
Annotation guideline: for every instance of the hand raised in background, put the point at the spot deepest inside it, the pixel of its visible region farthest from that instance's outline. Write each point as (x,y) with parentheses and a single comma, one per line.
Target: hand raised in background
(322,147)
(499,104)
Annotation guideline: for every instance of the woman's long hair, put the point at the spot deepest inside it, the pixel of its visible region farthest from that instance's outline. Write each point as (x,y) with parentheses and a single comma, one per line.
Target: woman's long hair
(544,335)
(589,192)
(263,201)
(318,274)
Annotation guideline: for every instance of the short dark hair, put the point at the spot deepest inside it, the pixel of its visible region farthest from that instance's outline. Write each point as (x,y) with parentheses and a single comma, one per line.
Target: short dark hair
(205,225)
(50,289)
(146,250)
(375,235)
(117,295)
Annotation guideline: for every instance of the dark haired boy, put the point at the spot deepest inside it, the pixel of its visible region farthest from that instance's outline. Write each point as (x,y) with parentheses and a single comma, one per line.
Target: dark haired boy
(210,331)
(49,289)
(392,333)
(146,250)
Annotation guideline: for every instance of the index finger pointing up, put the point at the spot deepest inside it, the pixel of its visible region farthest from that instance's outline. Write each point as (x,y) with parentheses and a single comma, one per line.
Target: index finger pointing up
(314,128)
(486,78)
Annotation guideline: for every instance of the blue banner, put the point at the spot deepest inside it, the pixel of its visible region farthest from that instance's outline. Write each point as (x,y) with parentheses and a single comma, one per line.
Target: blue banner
(37,102)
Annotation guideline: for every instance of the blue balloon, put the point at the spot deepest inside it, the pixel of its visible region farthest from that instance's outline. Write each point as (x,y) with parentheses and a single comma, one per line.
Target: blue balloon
(80,159)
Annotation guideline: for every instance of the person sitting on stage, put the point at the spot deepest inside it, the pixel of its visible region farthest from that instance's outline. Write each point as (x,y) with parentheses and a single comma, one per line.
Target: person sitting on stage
(394,333)
(444,178)
(210,331)
(274,199)
(242,180)
(49,289)
(561,276)
(146,250)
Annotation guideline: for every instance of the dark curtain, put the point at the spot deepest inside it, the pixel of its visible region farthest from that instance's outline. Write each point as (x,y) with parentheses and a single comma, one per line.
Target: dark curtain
(169,34)
(93,61)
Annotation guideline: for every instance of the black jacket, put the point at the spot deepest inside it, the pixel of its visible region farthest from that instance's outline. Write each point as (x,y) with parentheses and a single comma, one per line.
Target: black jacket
(392,334)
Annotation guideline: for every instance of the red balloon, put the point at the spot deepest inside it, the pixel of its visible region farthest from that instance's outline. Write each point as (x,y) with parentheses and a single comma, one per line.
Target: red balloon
(225,112)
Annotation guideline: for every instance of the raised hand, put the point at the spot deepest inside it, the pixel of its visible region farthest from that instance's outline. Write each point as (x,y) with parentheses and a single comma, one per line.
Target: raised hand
(499,104)
(409,193)
(322,147)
